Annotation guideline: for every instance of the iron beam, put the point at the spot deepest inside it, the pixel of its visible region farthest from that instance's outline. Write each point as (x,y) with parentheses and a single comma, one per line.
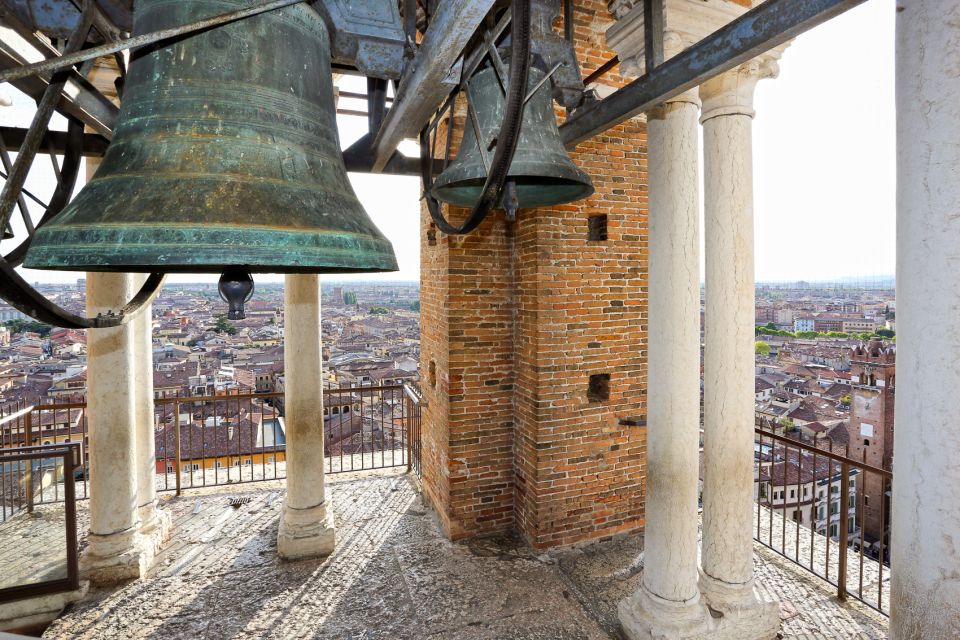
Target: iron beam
(422,88)
(94,145)
(79,97)
(762,28)
(358,158)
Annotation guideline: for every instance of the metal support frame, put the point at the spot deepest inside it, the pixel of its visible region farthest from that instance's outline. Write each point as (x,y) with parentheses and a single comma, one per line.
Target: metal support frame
(71,58)
(760,29)
(425,83)
(79,98)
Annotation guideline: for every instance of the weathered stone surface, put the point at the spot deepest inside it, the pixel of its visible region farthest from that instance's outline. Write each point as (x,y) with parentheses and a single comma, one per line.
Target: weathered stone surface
(393,576)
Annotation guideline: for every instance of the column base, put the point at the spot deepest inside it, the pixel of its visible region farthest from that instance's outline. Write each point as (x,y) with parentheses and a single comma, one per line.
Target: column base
(157,526)
(306,533)
(744,615)
(117,557)
(646,616)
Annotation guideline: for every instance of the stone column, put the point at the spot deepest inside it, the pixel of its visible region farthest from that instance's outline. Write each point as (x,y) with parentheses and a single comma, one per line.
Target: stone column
(155,523)
(667,604)
(726,578)
(116,549)
(925,544)
(306,527)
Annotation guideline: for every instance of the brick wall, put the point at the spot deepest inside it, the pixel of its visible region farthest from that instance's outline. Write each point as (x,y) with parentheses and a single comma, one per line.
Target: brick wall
(515,318)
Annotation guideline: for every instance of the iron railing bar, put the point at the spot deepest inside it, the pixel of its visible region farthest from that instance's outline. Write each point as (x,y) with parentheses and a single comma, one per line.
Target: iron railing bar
(844,515)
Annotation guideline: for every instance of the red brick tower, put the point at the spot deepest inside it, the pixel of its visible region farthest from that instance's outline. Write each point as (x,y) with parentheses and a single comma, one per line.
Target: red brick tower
(873,369)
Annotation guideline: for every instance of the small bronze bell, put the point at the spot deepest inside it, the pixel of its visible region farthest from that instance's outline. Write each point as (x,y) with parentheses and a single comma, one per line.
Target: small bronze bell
(226,155)
(541,169)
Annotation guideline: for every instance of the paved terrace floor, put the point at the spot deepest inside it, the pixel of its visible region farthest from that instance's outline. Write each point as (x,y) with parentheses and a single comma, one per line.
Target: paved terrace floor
(394,576)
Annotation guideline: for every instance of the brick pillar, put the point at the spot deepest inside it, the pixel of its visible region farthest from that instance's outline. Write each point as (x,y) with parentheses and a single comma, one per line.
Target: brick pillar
(467,309)
(581,352)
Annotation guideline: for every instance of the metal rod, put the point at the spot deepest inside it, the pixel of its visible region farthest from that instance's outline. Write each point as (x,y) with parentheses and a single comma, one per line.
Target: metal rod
(70,58)
(844,539)
(766,26)
(28,432)
(178,457)
(568,25)
(601,71)
(652,34)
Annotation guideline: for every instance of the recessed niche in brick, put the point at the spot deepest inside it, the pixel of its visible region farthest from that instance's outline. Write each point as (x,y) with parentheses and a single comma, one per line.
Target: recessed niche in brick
(432,374)
(599,387)
(597,228)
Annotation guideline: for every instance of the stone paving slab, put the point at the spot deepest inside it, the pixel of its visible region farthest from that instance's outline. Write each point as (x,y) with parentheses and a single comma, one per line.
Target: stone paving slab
(33,547)
(394,576)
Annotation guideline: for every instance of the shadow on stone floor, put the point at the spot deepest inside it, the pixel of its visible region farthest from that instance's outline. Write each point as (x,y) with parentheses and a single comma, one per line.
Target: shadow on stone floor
(393,575)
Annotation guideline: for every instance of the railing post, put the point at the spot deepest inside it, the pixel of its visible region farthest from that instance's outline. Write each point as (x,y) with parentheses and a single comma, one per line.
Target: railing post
(844,533)
(176,445)
(28,441)
(408,427)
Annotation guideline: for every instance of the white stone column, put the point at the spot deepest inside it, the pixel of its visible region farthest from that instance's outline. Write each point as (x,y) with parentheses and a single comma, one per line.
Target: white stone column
(668,604)
(116,549)
(306,527)
(925,544)
(726,578)
(154,522)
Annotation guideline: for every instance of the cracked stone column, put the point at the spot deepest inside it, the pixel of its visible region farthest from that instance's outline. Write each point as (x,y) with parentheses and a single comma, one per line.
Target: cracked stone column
(154,522)
(925,543)
(116,549)
(306,526)
(726,577)
(668,604)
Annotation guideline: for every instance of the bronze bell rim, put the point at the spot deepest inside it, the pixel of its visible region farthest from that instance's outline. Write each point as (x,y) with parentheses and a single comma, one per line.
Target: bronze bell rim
(255,247)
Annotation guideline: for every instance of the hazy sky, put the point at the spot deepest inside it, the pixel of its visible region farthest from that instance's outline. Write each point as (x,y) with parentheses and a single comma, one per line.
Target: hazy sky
(824,166)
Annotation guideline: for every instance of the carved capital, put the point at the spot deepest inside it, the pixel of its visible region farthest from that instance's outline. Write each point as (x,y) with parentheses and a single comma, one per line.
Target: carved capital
(731,93)
(686,22)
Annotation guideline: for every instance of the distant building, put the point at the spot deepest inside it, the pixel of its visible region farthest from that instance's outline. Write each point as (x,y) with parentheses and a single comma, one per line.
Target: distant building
(803,323)
(870,428)
(8,313)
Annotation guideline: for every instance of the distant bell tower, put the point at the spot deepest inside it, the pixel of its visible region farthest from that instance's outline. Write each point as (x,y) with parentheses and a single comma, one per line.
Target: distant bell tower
(873,376)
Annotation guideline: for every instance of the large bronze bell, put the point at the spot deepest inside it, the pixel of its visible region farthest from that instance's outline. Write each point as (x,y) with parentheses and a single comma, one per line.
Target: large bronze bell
(226,155)
(541,169)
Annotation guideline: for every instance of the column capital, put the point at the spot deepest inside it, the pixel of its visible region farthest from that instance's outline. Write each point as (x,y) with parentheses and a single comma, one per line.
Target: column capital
(686,22)
(731,92)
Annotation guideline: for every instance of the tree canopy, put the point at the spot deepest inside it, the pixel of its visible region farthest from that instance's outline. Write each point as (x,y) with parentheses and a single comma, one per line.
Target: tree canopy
(222,325)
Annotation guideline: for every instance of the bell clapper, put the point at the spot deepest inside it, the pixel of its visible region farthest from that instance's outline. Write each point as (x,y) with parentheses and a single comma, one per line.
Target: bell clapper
(236,288)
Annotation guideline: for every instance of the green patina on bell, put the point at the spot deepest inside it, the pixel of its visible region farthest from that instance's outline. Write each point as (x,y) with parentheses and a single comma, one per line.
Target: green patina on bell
(542,170)
(226,154)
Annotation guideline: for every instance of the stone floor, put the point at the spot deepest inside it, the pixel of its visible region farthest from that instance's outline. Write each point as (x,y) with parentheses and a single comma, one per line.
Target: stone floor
(393,575)
(33,547)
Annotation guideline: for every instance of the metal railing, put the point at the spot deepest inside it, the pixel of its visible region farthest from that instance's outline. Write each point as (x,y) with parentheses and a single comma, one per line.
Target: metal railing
(827,513)
(214,439)
(33,561)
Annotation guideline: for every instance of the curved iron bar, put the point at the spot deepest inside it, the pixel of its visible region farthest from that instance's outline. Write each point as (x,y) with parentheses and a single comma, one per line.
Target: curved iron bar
(506,140)
(41,119)
(15,290)
(69,172)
